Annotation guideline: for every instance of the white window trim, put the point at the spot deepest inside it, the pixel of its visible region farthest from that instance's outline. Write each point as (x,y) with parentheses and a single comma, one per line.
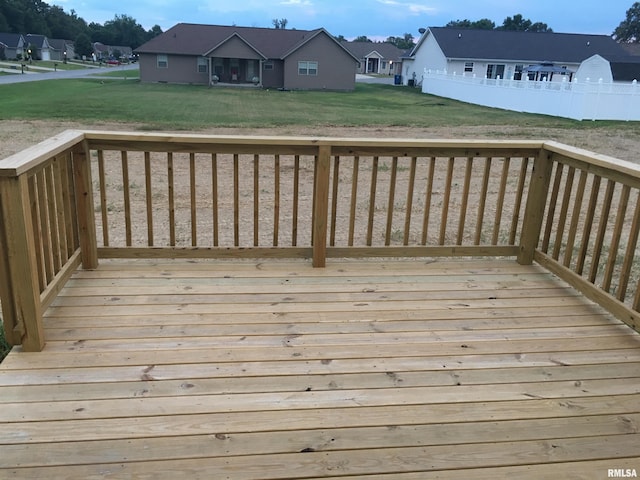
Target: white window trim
(304,68)
(162,60)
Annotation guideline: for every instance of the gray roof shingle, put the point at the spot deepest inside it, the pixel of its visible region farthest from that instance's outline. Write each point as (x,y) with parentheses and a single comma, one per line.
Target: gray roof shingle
(523,46)
(197,39)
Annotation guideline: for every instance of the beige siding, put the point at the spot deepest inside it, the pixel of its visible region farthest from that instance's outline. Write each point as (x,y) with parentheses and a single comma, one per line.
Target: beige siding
(181,69)
(336,68)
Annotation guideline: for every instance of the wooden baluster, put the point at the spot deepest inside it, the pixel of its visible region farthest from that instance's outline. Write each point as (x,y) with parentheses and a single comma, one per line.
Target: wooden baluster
(372,200)
(276,199)
(410,193)
(127,197)
(171,200)
(602,231)
(256,200)
(214,200)
(484,192)
(103,199)
(497,221)
(465,200)
(445,202)
(296,200)
(518,201)
(354,199)
(149,197)
(564,209)
(427,200)
(575,218)
(630,255)
(615,239)
(391,203)
(334,199)
(551,212)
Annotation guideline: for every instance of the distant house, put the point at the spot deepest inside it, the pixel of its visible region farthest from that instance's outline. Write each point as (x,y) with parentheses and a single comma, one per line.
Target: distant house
(61,49)
(268,57)
(508,54)
(41,50)
(103,52)
(379,58)
(14,45)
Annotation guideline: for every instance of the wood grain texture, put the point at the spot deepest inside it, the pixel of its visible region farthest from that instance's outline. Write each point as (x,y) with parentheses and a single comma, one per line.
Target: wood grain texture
(271,370)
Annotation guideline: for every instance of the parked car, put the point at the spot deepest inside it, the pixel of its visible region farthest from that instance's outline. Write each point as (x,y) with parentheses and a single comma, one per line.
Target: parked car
(113,61)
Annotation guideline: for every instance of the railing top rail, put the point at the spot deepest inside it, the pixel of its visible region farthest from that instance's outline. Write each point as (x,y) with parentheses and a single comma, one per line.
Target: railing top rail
(596,159)
(21,162)
(186,142)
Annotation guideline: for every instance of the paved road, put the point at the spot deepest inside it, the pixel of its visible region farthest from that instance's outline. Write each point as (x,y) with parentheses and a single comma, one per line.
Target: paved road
(60,74)
(88,72)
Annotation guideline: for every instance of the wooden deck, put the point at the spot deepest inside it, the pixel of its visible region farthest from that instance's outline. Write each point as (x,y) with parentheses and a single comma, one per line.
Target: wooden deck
(407,369)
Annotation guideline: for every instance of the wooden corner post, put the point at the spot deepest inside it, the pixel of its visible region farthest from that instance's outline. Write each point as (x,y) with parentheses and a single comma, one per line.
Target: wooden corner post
(321,206)
(20,293)
(84,206)
(536,205)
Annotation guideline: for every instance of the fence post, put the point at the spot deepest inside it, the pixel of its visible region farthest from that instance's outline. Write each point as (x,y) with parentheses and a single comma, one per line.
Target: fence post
(84,206)
(20,293)
(321,212)
(536,205)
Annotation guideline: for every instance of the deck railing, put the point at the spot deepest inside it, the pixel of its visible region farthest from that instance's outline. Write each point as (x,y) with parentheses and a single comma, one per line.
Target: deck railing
(89,195)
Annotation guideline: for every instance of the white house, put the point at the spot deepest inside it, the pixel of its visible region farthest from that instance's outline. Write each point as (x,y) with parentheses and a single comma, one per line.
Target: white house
(513,55)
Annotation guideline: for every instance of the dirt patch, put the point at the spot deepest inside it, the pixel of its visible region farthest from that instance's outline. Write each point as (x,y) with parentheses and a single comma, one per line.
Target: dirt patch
(18,135)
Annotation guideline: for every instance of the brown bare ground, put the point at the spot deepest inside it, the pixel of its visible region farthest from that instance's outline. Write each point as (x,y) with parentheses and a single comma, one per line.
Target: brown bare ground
(623,144)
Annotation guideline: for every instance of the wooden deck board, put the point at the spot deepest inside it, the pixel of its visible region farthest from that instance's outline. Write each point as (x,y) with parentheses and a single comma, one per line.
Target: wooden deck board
(275,370)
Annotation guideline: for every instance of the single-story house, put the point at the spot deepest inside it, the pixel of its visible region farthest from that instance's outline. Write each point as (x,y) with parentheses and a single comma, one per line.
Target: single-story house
(380,58)
(14,45)
(41,45)
(102,52)
(61,49)
(506,54)
(267,57)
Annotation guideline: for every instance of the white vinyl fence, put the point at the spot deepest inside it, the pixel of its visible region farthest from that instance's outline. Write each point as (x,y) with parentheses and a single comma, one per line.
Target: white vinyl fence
(579,100)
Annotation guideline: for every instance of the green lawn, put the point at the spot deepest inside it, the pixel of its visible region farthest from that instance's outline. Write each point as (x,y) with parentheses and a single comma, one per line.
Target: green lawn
(188,107)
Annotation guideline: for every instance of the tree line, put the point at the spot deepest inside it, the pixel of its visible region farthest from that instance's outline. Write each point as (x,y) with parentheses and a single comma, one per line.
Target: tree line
(38,17)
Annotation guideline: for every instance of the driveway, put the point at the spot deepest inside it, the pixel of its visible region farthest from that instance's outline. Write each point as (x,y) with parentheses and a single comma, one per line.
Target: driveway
(388,80)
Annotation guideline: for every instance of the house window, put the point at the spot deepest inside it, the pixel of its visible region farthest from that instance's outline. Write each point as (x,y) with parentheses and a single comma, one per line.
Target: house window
(268,65)
(384,65)
(495,71)
(203,64)
(162,61)
(518,72)
(307,68)
(468,67)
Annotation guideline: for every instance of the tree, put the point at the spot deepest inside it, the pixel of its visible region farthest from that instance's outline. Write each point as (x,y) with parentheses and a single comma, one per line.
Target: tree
(629,29)
(361,38)
(83,46)
(403,43)
(482,24)
(520,24)
(280,23)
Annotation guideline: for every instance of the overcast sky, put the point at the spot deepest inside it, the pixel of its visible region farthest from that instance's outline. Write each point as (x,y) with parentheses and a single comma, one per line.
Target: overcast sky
(377,19)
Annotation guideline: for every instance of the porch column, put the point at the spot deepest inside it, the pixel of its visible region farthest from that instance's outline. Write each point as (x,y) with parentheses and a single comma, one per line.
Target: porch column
(260,65)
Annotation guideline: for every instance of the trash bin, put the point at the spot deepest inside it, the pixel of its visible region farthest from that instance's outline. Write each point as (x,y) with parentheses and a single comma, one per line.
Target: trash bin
(411,82)
(397,80)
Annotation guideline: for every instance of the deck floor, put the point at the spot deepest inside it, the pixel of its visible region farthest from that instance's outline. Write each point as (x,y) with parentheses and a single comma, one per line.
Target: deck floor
(408,370)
